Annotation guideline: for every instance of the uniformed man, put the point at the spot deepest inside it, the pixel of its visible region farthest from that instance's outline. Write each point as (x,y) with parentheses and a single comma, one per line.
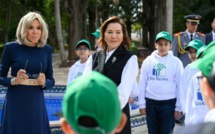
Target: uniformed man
(182,39)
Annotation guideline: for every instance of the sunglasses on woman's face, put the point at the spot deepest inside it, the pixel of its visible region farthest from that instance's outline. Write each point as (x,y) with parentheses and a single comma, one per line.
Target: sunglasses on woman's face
(33,76)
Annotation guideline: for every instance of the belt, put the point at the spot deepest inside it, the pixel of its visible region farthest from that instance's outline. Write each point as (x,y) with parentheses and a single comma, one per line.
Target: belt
(29,82)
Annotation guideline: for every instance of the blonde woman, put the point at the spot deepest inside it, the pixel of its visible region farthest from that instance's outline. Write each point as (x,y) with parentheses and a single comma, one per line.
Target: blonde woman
(30,60)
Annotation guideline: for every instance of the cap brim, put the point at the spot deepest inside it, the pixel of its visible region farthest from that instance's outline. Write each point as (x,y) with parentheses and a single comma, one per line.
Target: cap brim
(83,43)
(187,48)
(162,38)
(96,35)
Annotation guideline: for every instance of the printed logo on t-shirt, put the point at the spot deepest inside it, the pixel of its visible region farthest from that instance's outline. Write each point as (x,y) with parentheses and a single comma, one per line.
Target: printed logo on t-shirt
(159,72)
(200,100)
(78,74)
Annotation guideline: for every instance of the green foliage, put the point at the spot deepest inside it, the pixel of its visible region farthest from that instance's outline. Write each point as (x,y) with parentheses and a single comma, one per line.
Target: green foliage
(136,26)
(205,8)
(134,46)
(128,10)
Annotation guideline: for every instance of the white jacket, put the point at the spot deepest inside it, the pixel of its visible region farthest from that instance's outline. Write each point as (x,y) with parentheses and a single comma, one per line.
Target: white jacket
(185,79)
(128,78)
(75,71)
(196,107)
(160,78)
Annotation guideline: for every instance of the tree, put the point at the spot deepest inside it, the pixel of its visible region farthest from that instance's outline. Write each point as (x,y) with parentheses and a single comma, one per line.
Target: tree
(92,14)
(154,20)
(59,33)
(129,11)
(76,10)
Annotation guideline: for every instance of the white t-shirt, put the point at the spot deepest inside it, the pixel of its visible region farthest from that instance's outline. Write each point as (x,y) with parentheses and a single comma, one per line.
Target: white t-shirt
(75,71)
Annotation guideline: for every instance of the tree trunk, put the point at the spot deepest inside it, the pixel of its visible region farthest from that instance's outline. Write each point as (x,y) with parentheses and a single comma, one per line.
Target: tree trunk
(105,10)
(154,15)
(149,23)
(59,33)
(8,20)
(92,23)
(169,16)
(76,12)
(128,26)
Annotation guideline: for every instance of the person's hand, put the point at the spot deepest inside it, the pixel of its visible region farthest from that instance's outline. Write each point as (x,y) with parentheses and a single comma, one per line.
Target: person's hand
(130,100)
(177,114)
(142,111)
(21,75)
(41,79)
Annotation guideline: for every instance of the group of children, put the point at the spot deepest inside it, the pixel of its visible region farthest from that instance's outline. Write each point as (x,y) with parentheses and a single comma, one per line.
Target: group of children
(165,88)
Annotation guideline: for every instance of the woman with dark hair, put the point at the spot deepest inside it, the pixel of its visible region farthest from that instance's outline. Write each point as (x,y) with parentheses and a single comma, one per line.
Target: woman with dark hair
(116,61)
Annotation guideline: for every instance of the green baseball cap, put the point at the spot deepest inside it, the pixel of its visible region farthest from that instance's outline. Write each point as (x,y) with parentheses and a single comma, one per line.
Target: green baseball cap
(92,95)
(164,35)
(83,41)
(196,44)
(200,51)
(97,32)
(205,63)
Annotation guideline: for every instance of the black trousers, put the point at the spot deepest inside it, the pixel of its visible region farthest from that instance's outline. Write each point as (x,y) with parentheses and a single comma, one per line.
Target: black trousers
(127,128)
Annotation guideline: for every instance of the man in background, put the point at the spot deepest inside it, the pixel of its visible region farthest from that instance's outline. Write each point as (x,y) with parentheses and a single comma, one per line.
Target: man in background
(182,39)
(211,36)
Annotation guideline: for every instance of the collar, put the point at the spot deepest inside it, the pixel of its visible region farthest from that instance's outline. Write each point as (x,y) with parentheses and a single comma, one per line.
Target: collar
(108,54)
(190,33)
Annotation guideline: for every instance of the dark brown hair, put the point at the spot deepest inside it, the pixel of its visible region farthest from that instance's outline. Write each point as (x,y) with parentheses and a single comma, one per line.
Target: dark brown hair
(126,40)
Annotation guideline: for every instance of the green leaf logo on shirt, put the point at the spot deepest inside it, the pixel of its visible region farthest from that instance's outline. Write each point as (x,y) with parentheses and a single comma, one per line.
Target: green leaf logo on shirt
(159,70)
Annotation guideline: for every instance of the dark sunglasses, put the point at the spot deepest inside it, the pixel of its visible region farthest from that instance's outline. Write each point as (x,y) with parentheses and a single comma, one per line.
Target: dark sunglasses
(34,76)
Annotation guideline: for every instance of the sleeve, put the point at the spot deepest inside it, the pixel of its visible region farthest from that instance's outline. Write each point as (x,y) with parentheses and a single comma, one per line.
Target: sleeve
(178,75)
(184,82)
(128,78)
(143,84)
(49,72)
(70,75)
(6,64)
(88,66)
(135,90)
(175,45)
(189,110)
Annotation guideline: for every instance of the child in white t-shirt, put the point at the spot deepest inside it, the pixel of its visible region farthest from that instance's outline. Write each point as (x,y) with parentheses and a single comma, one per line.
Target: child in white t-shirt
(83,51)
(196,107)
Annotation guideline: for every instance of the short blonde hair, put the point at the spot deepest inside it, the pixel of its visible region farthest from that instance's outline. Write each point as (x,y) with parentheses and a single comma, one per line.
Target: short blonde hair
(21,32)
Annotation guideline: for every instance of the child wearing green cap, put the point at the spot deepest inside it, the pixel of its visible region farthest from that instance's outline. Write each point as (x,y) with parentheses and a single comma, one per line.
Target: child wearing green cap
(196,107)
(159,87)
(82,51)
(206,64)
(97,36)
(191,49)
(91,107)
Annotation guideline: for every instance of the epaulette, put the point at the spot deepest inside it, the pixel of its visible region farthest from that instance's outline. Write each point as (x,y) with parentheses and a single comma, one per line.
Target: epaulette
(201,34)
(179,33)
